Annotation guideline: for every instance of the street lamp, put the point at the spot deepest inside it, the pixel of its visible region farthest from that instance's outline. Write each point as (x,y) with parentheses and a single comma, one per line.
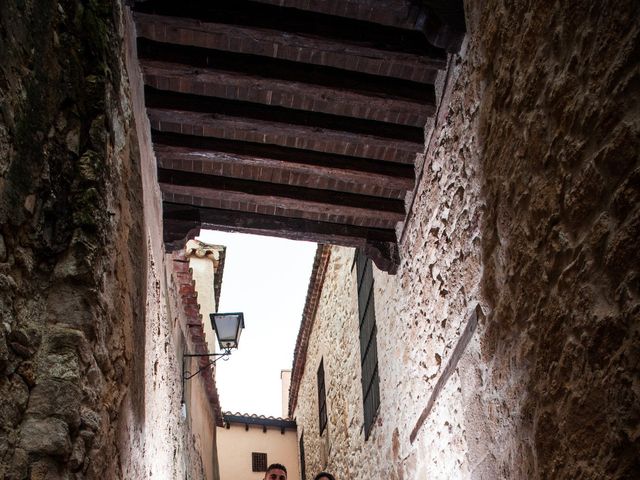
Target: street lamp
(228,327)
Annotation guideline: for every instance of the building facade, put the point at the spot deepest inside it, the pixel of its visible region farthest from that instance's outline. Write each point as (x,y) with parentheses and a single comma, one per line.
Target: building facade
(248,444)
(506,343)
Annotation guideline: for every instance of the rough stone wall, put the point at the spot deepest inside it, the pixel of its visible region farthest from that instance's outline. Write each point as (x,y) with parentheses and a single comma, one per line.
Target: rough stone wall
(89,382)
(157,441)
(528,206)
(70,266)
(559,128)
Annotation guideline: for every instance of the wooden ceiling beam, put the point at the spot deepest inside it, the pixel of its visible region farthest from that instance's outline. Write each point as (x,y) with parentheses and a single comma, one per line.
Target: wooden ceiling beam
(441,21)
(296,21)
(252,194)
(341,100)
(268,67)
(184,221)
(319,160)
(295,228)
(402,14)
(223,108)
(306,138)
(418,66)
(299,170)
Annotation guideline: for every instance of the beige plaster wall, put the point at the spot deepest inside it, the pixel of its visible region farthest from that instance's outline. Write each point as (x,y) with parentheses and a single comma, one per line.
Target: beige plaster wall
(235,445)
(201,422)
(285,380)
(203,267)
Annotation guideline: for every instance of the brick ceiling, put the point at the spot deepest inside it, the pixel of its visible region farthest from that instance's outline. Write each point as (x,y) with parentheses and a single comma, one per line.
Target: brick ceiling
(293,118)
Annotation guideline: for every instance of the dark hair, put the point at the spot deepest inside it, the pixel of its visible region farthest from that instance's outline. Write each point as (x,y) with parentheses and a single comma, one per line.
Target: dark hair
(324,474)
(277,466)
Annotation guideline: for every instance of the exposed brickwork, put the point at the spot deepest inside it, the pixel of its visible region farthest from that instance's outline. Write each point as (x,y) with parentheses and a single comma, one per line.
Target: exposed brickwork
(185,285)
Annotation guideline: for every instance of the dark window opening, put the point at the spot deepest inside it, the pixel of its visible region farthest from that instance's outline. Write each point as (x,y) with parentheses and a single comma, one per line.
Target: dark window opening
(368,343)
(258,462)
(322,399)
(303,473)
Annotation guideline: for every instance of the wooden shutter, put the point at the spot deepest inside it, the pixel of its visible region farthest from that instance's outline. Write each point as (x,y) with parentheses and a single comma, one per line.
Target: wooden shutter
(368,343)
(322,399)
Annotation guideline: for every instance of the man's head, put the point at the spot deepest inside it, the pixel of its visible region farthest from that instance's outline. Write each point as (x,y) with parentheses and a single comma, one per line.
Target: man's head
(324,476)
(276,471)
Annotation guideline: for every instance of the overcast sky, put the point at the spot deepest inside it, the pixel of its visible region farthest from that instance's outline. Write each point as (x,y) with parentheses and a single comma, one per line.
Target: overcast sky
(266,278)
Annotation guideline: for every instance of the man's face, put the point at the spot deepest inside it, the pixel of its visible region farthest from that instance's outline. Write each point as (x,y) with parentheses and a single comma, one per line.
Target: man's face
(275,474)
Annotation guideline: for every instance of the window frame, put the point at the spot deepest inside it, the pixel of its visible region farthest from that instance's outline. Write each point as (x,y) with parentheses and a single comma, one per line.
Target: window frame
(259,462)
(303,468)
(322,399)
(367,328)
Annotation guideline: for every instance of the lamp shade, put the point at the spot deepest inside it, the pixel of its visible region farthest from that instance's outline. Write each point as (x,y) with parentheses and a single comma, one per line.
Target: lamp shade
(228,327)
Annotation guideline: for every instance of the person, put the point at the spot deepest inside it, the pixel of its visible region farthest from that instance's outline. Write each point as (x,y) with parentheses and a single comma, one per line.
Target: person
(324,476)
(276,471)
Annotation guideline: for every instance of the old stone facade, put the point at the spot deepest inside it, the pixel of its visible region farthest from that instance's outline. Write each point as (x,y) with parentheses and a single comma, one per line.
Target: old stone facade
(89,353)
(508,340)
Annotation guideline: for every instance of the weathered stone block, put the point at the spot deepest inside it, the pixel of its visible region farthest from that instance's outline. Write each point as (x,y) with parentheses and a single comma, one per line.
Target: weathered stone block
(3,249)
(49,436)
(77,455)
(14,394)
(90,419)
(19,467)
(53,397)
(4,351)
(26,370)
(23,342)
(70,307)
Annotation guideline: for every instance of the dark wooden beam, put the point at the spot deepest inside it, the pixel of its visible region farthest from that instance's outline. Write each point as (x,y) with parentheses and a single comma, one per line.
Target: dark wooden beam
(295,21)
(286,198)
(380,244)
(356,175)
(283,117)
(273,133)
(442,21)
(399,171)
(395,13)
(337,100)
(267,67)
(419,67)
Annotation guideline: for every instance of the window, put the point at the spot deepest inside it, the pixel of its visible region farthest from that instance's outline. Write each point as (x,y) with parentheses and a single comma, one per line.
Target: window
(368,344)
(303,473)
(258,462)
(322,398)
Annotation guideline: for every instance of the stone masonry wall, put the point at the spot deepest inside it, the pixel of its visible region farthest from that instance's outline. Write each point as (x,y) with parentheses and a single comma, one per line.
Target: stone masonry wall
(559,129)
(528,208)
(89,377)
(72,257)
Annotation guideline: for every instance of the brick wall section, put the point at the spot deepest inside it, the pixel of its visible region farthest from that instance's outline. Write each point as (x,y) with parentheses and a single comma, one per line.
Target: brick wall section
(191,320)
(528,207)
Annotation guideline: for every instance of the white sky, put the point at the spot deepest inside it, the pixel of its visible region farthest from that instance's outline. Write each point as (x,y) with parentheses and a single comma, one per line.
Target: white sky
(266,278)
